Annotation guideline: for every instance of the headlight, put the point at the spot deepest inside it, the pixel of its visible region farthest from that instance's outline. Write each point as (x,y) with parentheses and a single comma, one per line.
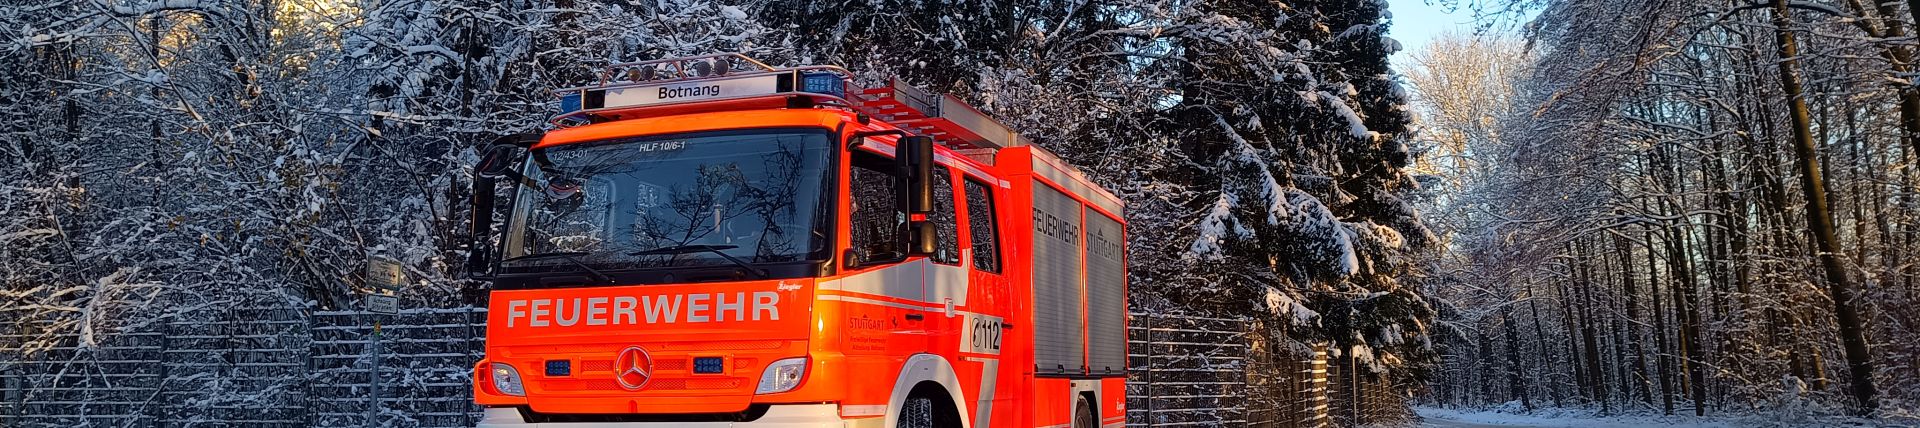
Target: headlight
(507,380)
(782,376)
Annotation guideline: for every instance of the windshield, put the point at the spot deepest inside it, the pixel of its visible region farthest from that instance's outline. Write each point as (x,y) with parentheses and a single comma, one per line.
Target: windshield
(678,200)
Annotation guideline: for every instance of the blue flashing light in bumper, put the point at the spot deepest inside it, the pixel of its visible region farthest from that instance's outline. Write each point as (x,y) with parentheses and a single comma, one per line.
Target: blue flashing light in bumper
(709,365)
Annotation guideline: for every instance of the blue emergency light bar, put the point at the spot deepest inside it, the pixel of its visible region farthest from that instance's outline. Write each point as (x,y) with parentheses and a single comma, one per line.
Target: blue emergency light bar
(820,82)
(570,102)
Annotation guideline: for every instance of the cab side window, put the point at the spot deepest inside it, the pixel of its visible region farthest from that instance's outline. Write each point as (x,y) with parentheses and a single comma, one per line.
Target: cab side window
(877,224)
(985,233)
(946,228)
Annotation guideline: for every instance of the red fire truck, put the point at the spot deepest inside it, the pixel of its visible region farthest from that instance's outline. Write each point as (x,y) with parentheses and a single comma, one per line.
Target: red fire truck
(712,241)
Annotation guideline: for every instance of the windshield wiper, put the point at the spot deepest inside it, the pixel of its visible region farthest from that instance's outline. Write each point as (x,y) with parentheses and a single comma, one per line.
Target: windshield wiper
(698,248)
(569,257)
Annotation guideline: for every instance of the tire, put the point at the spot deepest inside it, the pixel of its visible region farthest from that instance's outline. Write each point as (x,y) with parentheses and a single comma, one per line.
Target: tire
(1083,416)
(917,412)
(928,409)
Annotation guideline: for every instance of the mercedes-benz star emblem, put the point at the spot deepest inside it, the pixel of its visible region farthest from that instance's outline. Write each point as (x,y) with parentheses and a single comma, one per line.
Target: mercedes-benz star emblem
(633,368)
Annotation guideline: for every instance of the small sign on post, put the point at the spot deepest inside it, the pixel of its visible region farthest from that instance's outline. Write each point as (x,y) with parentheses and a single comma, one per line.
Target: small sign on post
(383,303)
(385,274)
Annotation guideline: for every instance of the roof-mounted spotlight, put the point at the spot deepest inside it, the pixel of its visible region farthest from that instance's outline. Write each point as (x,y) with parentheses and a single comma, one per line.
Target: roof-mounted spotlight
(702,68)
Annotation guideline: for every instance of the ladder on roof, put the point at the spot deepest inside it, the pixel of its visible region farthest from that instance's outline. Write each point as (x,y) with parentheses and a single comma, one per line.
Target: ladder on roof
(948,120)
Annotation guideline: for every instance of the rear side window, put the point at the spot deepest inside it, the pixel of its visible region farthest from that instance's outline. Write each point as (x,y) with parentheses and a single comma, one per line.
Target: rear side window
(946,227)
(878,225)
(985,233)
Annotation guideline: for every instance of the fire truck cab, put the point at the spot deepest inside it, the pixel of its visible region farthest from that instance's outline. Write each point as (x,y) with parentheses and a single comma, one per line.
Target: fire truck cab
(711,241)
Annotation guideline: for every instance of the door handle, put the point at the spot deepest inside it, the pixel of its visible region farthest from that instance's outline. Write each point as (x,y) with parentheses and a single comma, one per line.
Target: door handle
(916,317)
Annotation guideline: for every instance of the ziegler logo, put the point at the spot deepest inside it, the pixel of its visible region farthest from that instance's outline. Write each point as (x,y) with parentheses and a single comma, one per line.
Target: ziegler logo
(633,368)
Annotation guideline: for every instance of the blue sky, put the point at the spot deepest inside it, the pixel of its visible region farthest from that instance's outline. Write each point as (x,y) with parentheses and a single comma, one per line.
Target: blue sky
(1415,22)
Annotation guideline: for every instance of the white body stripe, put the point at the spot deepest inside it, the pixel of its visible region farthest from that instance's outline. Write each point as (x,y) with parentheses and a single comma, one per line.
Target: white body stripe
(989,377)
(946,284)
(918,280)
(964,167)
(900,281)
(926,368)
(1087,385)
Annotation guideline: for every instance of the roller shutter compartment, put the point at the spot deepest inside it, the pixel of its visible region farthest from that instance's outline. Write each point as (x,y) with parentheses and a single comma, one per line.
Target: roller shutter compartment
(1106,294)
(1058,333)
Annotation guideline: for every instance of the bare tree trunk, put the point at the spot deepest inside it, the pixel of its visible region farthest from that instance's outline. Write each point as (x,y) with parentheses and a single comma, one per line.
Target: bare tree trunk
(1615,334)
(1910,182)
(1660,329)
(1852,333)
(1686,301)
(1686,305)
(1567,316)
(1486,371)
(1516,378)
(1901,57)
(1597,378)
(1540,335)
(1639,353)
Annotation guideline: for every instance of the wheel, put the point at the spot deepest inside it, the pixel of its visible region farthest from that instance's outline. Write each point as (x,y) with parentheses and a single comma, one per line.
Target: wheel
(1083,417)
(928,409)
(917,412)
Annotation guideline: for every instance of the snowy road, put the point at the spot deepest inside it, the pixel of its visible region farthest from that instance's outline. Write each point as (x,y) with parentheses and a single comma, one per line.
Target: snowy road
(1447,418)
(1447,423)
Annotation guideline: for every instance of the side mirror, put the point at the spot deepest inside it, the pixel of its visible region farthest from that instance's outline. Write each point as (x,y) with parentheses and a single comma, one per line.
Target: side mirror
(915,156)
(496,160)
(480,228)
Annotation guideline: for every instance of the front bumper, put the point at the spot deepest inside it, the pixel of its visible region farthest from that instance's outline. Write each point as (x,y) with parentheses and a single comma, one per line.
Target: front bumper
(778,416)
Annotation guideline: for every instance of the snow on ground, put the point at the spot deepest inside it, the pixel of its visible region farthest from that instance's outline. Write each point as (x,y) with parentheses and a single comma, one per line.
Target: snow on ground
(1556,418)
(1579,418)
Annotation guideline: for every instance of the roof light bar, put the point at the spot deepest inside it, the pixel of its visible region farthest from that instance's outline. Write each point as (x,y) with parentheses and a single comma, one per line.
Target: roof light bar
(693,67)
(735,81)
(570,102)
(823,82)
(623,88)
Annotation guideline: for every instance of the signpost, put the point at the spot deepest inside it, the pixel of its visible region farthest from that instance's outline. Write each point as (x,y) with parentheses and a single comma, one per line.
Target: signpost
(386,276)
(381,303)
